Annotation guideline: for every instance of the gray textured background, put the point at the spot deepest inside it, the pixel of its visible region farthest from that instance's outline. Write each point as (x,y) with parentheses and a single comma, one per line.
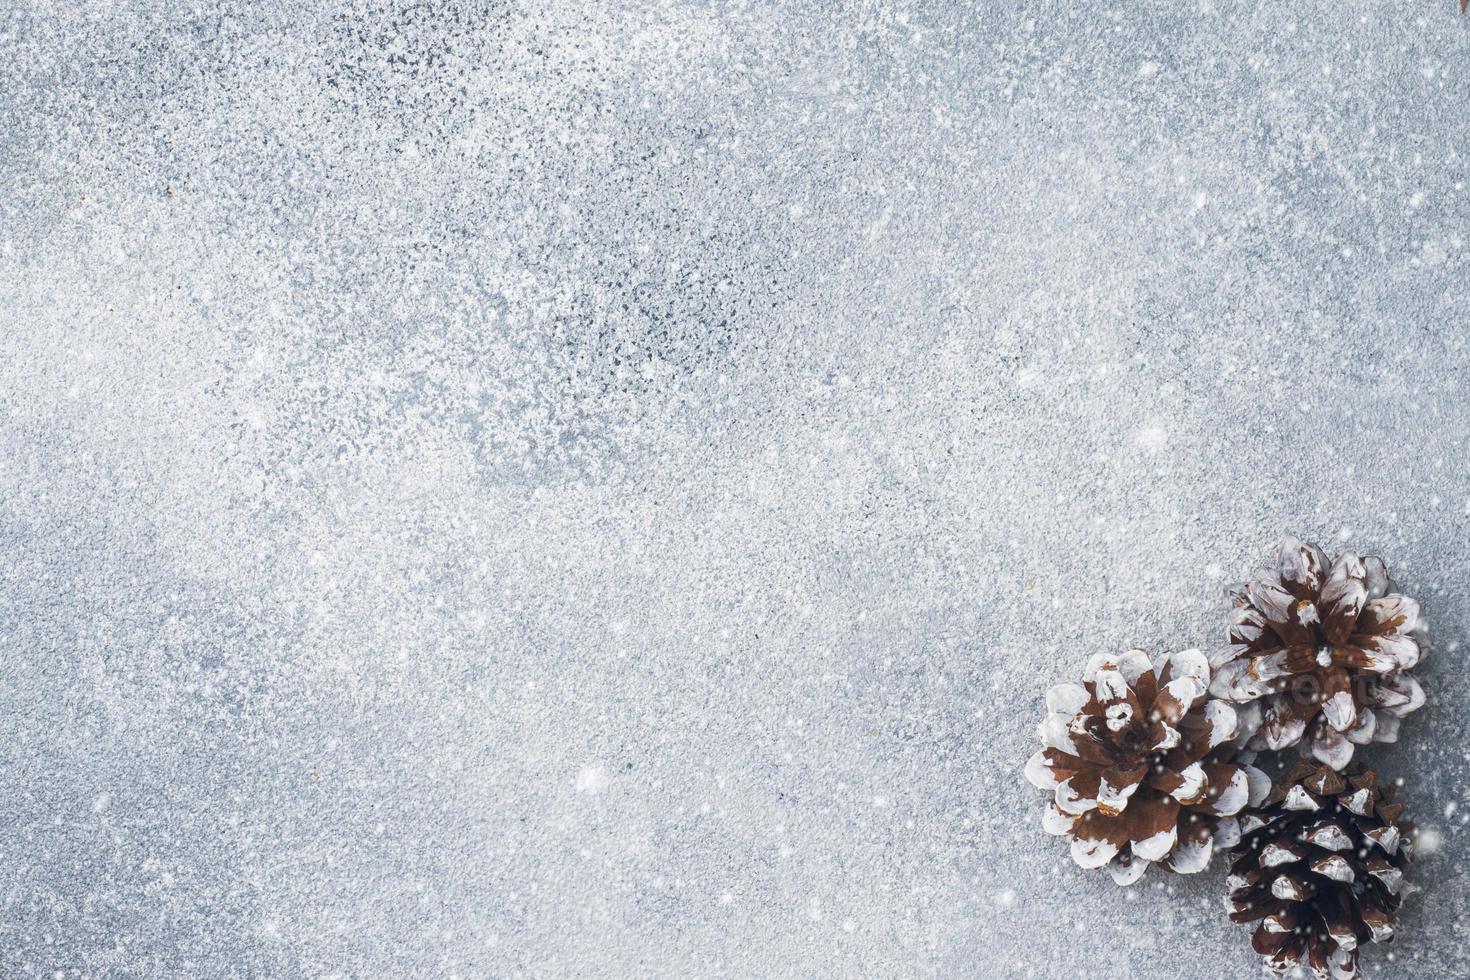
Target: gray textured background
(600,489)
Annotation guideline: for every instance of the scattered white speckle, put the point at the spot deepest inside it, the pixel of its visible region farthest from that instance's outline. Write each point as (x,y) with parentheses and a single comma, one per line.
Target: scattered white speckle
(1152,438)
(592,779)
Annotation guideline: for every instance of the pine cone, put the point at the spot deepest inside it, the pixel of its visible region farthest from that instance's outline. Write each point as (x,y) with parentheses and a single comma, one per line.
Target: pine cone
(1326,648)
(1140,763)
(1321,867)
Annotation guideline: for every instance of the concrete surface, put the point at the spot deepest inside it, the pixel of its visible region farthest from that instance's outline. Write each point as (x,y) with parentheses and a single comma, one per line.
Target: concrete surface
(600,489)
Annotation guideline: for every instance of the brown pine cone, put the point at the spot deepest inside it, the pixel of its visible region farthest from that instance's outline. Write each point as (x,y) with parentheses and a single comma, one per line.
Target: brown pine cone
(1141,764)
(1320,867)
(1326,649)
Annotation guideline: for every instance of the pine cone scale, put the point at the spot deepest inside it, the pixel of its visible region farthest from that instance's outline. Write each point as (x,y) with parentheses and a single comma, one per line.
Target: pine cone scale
(1390,614)
(1229,789)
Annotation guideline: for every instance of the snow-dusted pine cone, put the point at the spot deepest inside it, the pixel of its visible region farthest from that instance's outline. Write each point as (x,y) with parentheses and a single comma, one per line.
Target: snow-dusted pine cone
(1141,764)
(1326,649)
(1320,867)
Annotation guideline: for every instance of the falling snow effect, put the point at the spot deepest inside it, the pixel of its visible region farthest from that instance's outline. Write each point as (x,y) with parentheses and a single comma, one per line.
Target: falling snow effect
(507,488)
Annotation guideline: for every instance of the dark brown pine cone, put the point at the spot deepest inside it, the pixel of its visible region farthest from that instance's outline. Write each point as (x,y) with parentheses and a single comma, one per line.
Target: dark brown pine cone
(1320,868)
(1326,649)
(1142,765)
